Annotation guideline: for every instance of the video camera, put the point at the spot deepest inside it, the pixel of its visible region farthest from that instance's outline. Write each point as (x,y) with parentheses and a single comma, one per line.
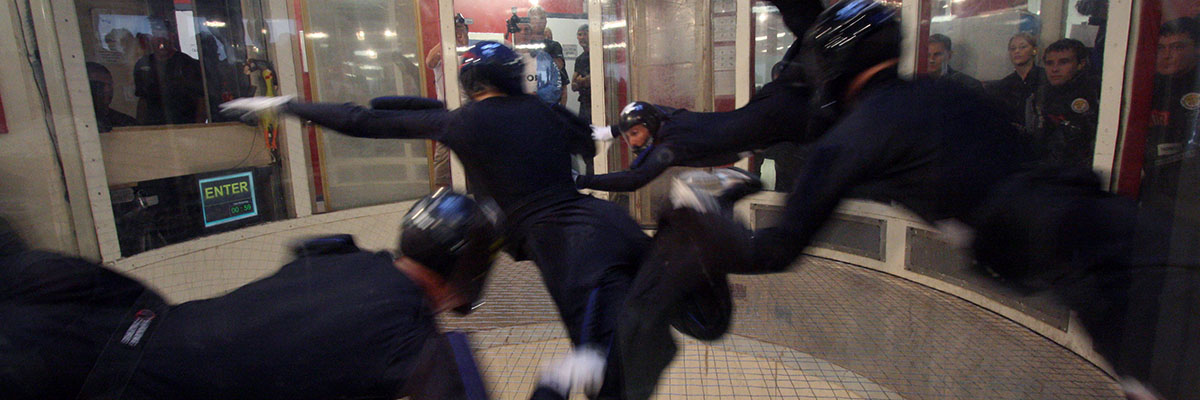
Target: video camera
(513,22)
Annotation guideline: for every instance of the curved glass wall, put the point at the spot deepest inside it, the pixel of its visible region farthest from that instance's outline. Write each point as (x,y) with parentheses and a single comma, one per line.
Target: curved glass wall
(885,309)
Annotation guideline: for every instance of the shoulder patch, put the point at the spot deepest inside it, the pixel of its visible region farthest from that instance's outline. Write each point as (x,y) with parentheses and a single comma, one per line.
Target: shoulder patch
(1080,105)
(1190,101)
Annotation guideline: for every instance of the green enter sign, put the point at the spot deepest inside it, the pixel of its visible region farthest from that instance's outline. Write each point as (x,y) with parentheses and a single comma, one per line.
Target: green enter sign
(228,198)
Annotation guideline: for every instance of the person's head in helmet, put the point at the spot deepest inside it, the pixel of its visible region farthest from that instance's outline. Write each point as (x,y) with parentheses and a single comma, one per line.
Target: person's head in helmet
(851,42)
(639,123)
(491,69)
(447,244)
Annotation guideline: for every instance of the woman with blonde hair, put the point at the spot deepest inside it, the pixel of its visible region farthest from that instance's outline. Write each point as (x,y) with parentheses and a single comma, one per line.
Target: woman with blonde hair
(1014,89)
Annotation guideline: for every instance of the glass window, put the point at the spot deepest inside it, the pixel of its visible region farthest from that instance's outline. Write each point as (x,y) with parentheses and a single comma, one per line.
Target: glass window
(669,46)
(724,40)
(616,84)
(779,164)
(158,70)
(359,50)
(1041,60)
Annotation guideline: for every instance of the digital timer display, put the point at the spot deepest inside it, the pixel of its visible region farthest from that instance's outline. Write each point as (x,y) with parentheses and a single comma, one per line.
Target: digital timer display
(228,198)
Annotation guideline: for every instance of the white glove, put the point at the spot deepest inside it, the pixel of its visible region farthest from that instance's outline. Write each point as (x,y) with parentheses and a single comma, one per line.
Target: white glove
(239,108)
(602,133)
(583,368)
(588,370)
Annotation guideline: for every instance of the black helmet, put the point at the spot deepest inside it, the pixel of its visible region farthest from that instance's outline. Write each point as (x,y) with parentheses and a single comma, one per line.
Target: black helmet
(641,113)
(491,64)
(453,236)
(847,38)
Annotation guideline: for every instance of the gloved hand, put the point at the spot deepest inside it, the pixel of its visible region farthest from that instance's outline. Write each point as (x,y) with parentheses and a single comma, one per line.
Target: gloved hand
(250,109)
(602,133)
(583,367)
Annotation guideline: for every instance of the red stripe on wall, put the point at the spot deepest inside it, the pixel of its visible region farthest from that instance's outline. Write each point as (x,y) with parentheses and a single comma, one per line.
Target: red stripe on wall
(3,119)
(1133,145)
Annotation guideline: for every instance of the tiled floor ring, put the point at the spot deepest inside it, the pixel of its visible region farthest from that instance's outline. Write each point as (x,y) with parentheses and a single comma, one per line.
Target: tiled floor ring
(839,330)
(733,367)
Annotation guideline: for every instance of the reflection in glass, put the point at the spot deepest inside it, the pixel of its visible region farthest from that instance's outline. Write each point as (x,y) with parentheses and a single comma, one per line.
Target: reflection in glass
(361,50)
(1170,182)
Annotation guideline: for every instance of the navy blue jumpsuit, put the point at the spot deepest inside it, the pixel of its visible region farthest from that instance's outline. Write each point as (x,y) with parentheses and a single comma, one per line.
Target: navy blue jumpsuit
(516,150)
(944,153)
(322,327)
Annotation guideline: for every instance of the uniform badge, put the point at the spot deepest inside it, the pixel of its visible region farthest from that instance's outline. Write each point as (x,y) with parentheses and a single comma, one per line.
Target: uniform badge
(1190,101)
(1080,105)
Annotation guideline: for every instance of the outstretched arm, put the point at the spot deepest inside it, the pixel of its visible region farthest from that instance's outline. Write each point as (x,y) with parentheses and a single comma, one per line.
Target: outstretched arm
(652,164)
(359,121)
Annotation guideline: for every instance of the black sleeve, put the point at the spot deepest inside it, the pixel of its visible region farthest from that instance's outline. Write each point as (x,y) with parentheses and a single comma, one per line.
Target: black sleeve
(658,160)
(579,132)
(583,64)
(555,49)
(405,103)
(360,121)
(839,162)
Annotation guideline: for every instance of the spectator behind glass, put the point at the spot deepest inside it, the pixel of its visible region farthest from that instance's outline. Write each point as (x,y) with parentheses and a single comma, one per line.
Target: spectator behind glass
(433,59)
(1014,90)
(537,24)
(1097,13)
(1173,116)
(1061,116)
(940,53)
(126,51)
(581,82)
(221,76)
(122,41)
(101,82)
(169,83)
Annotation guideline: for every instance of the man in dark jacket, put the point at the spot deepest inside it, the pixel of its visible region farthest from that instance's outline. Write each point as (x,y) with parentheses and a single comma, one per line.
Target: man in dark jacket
(941,50)
(1062,114)
(1174,111)
(337,322)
